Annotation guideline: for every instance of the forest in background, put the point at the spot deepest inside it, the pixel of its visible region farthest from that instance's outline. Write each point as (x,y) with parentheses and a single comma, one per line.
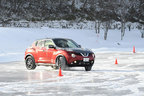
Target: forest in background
(102,10)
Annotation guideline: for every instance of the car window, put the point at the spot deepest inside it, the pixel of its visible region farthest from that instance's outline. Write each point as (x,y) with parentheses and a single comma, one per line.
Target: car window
(40,44)
(65,43)
(36,43)
(47,43)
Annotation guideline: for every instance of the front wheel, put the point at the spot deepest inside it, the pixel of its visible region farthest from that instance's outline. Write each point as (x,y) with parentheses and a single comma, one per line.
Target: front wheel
(30,63)
(88,68)
(61,62)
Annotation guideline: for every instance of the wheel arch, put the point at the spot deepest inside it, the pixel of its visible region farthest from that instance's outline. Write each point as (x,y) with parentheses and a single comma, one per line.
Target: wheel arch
(29,55)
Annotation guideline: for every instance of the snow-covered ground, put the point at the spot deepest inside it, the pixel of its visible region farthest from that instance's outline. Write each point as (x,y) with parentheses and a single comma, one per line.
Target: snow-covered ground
(106,78)
(14,41)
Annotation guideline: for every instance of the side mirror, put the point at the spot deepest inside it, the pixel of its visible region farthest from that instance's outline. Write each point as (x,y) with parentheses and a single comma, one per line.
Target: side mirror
(79,46)
(52,46)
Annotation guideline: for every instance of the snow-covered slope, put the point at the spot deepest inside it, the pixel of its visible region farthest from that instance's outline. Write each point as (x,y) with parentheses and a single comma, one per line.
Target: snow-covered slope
(14,41)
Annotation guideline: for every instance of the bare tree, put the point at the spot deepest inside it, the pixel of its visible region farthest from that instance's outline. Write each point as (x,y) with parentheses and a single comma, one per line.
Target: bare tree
(93,13)
(121,8)
(141,28)
(142,33)
(73,6)
(84,5)
(97,26)
(106,25)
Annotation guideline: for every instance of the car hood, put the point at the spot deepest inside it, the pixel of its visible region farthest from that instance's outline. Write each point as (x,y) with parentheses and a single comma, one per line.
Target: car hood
(78,50)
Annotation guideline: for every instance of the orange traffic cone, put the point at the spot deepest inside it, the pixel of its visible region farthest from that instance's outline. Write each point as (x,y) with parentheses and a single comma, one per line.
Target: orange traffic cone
(116,61)
(60,72)
(133,49)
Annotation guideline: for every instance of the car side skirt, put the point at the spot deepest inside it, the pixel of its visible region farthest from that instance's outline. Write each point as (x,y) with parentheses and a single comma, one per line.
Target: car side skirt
(44,64)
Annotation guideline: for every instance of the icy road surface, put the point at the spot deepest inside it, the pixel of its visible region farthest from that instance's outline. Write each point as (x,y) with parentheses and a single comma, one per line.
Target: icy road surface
(106,78)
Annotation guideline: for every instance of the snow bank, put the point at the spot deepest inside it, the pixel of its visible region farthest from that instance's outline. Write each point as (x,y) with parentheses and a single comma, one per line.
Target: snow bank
(14,41)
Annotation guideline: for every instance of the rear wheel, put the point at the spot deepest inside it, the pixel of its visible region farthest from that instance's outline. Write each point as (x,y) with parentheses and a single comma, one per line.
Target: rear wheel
(30,63)
(88,68)
(61,62)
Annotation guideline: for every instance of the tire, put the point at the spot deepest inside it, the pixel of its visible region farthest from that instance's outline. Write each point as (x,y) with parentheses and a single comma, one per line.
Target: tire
(30,63)
(88,68)
(61,62)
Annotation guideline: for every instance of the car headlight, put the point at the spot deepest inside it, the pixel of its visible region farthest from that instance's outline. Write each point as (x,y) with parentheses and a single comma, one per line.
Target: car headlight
(73,55)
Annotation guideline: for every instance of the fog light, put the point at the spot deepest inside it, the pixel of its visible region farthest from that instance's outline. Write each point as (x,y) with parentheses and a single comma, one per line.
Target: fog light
(75,61)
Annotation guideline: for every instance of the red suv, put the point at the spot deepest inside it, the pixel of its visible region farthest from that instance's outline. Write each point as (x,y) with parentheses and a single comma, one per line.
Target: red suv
(58,52)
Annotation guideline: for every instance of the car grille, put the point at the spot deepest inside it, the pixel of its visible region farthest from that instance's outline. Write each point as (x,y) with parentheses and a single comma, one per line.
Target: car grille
(83,54)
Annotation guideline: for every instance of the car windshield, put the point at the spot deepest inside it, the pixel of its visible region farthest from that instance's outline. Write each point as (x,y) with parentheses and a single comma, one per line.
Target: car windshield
(65,43)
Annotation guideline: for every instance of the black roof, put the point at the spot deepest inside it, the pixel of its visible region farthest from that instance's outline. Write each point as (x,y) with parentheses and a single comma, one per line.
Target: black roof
(50,38)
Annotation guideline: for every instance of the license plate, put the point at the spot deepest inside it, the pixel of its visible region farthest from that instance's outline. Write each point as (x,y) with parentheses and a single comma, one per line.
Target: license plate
(86,59)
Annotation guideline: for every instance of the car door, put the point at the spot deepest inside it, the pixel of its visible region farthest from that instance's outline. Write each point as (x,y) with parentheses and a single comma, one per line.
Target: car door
(50,51)
(41,52)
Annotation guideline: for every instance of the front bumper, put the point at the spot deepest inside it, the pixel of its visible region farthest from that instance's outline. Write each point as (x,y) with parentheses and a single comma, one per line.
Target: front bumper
(81,63)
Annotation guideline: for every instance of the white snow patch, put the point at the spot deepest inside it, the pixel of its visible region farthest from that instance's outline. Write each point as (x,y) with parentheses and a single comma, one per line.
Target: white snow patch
(14,41)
